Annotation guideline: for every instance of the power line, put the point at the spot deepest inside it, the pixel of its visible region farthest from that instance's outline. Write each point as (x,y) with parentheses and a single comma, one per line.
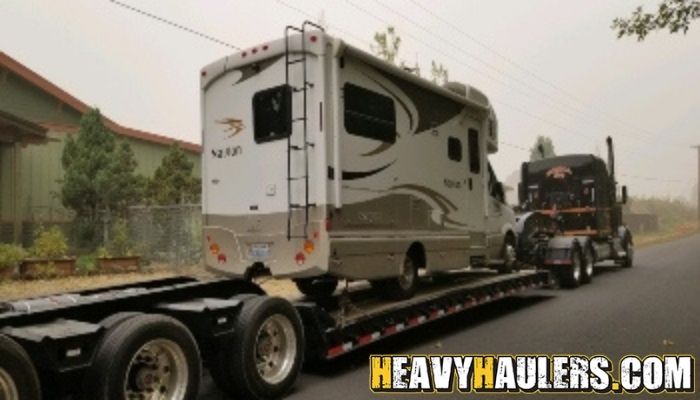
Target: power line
(175,25)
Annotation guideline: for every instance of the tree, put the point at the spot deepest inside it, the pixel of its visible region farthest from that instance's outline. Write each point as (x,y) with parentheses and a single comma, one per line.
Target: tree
(98,174)
(173,181)
(543,145)
(676,15)
(387,45)
(439,73)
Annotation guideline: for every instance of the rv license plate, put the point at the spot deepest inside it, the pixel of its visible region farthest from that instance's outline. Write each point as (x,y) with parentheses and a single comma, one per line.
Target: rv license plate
(259,250)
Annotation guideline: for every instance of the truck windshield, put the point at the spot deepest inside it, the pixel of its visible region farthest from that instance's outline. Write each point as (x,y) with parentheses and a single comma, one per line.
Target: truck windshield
(272,113)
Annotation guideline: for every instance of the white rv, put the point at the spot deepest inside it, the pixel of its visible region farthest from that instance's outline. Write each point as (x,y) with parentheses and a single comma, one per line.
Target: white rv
(322,162)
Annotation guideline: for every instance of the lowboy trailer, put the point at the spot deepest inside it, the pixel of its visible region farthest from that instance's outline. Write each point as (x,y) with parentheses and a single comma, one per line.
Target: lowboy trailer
(146,339)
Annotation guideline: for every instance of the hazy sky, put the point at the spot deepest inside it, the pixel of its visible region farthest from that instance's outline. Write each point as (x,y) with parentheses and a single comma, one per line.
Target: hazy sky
(550,67)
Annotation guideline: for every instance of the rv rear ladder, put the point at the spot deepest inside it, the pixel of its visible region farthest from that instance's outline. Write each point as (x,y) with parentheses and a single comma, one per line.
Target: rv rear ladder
(306,145)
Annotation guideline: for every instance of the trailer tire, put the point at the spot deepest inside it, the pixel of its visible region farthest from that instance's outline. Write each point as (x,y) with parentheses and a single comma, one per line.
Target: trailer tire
(18,378)
(124,359)
(588,265)
(571,276)
(237,362)
(318,288)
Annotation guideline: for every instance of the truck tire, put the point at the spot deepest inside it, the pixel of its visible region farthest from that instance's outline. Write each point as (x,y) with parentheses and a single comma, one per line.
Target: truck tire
(628,245)
(404,286)
(588,265)
(143,355)
(263,357)
(18,378)
(318,288)
(570,276)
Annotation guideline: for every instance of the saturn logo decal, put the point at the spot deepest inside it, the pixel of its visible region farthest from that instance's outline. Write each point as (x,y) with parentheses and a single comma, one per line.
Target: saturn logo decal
(233,126)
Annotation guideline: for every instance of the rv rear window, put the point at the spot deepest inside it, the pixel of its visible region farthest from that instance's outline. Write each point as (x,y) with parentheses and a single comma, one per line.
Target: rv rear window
(474,154)
(272,113)
(454,149)
(369,114)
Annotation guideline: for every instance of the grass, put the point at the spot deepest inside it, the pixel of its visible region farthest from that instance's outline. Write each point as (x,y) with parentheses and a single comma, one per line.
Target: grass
(669,234)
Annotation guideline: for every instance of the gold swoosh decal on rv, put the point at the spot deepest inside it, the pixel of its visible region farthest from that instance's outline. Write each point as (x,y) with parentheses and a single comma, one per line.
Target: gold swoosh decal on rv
(442,201)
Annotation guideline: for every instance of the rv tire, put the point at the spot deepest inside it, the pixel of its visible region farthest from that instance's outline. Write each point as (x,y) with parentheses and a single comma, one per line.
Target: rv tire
(318,288)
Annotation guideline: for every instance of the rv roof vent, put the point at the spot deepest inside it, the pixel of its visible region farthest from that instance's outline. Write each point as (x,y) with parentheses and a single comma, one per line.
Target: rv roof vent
(457,87)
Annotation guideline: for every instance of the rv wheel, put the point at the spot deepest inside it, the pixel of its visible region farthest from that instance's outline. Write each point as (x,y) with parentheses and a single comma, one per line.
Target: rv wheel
(570,276)
(317,287)
(143,356)
(404,286)
(18,378)
(262,359)
(589,263)
(508,255)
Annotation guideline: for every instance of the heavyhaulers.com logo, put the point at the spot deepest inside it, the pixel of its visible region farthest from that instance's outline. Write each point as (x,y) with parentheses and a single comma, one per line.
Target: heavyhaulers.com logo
(528,374)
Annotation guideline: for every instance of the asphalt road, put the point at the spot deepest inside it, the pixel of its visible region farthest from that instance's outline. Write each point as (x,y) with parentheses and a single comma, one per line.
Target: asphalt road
(653,308)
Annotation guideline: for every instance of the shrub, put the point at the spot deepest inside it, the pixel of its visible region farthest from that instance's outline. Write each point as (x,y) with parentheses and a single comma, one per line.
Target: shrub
(102,252)
(10,256)
(86,265)
(120,245)
(46,270)
(50,243)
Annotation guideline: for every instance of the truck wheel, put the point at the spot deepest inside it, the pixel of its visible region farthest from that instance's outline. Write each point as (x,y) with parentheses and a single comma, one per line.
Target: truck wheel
(571,275)
(588,265)
(18,378)
(628,245)
(145,356)
(317,287)
(404,286)
(508,255)
(262,359)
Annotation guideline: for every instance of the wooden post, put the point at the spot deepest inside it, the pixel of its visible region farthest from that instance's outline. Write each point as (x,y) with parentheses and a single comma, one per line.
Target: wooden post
(17,183)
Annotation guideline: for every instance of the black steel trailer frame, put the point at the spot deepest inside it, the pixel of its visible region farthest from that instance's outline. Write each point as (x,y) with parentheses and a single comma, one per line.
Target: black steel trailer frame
(60,333)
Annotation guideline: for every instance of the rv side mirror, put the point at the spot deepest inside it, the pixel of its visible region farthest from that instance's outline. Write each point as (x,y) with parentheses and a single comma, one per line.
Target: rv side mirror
(624,195)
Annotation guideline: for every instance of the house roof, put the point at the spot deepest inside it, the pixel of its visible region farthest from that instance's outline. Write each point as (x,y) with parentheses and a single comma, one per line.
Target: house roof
(55,91)
(15,129)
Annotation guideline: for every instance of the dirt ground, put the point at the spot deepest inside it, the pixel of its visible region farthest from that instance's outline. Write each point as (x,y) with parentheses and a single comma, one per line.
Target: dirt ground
(22,289)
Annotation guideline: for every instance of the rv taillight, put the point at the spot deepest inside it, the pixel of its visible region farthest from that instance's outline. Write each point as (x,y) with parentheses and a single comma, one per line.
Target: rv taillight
(245,53)
(265,47)
(255,50)
(309,246)
(300,258)
(313,38)
(204,73)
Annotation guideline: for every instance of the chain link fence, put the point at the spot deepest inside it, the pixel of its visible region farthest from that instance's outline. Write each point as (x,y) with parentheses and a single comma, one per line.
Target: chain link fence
(170,234)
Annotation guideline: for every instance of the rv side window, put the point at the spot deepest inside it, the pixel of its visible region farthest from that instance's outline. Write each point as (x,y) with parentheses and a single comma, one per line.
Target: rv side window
(272,113)
(369,114)
(474,154)
(454,149)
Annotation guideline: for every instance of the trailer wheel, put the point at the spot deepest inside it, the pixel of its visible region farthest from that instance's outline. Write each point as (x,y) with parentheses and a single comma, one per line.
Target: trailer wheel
(588,265)
(321,287)
(263,358)
(142,357)
(571,275)
(18,378)
(628,245)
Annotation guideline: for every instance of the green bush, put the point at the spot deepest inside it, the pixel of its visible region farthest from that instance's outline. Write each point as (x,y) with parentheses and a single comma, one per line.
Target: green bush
(120,244)
(102,252)
(46,270)
(86,265)
(50,243)
(10,256)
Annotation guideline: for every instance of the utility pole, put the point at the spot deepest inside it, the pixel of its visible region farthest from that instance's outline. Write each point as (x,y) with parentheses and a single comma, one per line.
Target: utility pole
(698,147)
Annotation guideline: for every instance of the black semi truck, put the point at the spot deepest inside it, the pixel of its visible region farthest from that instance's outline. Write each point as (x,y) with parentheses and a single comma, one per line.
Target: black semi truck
(571,216)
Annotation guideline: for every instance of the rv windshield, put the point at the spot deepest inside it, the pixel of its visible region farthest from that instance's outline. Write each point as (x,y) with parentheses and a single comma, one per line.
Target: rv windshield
(272,113)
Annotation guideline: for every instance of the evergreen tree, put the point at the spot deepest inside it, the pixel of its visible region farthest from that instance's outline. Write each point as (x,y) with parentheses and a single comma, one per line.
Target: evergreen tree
(542,145)
(173,181)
